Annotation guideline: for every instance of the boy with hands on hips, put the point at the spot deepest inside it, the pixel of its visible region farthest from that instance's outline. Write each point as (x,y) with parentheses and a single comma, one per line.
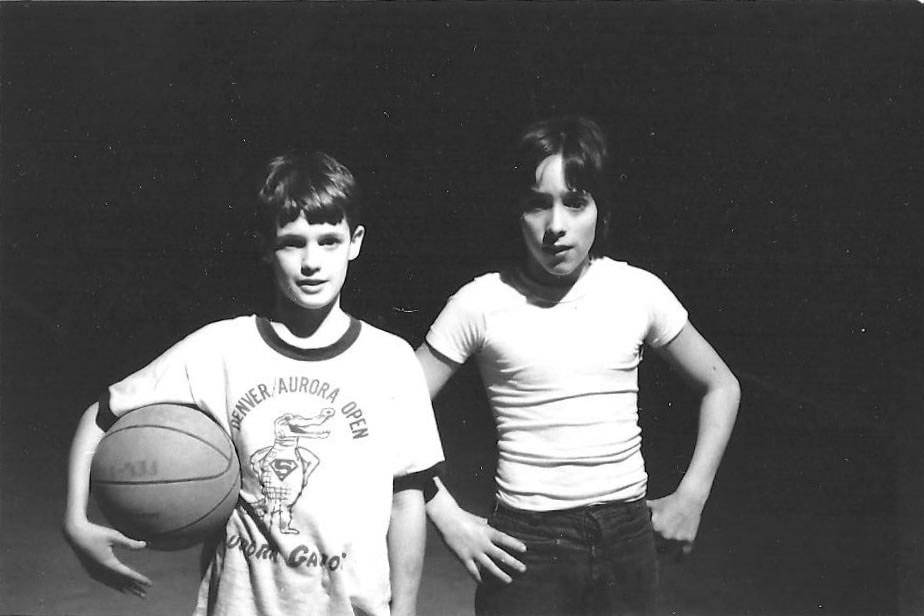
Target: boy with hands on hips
(558,340)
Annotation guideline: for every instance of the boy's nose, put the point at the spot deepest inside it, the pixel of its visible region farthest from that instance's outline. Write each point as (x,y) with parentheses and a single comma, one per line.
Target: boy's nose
(557,220)
(309,260)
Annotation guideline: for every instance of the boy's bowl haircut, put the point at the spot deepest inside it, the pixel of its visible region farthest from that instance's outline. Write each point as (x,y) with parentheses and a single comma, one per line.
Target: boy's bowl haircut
(313,185)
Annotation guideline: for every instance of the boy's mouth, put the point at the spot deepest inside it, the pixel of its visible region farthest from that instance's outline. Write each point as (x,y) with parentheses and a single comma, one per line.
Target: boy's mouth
(310,283)
(556,249)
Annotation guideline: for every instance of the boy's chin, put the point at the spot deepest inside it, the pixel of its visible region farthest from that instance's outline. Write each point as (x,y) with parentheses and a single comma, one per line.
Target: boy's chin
(558,273)
(308,303)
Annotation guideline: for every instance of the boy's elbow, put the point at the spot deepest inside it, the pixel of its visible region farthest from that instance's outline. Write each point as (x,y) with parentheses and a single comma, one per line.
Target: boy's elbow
(723,386)
(735,386)
(731,389)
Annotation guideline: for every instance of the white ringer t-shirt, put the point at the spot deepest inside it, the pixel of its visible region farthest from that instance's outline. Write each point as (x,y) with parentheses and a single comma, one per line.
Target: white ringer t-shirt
(321,435)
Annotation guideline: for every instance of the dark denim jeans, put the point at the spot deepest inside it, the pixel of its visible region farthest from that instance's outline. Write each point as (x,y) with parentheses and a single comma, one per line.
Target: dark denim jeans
(594,560)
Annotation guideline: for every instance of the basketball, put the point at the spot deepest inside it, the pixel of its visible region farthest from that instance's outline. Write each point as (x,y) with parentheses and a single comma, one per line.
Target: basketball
(166,474)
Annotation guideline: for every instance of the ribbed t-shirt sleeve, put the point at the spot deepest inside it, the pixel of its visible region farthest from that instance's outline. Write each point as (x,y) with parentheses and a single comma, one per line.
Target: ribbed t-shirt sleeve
(667,316)
(458,332)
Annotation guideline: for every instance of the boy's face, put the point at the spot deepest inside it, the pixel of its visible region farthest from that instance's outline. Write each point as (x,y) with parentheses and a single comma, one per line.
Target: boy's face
(310,261)
(558,226)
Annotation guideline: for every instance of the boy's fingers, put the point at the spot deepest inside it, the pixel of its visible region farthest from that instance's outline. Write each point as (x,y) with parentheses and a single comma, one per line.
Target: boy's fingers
(140,591)
(473,571)
(141,580)
(127,542)
(134,590)
(129,573)
(507,560)
(118,582)
(673,548)
(507,541)
(488,565)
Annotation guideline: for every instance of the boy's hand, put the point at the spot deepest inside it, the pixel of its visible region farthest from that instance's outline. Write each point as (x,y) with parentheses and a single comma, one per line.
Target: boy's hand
(480,547)
(676,518)
(94,545)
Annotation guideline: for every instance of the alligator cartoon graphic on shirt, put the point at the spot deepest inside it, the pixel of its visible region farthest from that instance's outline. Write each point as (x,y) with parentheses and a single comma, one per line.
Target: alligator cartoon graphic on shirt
(284,467)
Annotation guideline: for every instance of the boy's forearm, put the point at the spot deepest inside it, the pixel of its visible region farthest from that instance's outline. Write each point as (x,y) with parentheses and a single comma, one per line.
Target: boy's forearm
(407,535)
(83,447)
(718,410)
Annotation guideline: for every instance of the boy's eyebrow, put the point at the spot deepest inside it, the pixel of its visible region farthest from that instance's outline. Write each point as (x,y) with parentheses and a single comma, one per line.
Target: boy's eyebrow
(289,237)
(571,192)
(334,233)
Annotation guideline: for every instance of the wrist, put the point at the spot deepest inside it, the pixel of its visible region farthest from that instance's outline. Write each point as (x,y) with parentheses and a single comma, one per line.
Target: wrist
(74,519)
(694,491)
(71,530)
(441,508)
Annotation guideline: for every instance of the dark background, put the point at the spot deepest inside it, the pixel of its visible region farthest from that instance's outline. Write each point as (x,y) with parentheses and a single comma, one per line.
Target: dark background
(767,166)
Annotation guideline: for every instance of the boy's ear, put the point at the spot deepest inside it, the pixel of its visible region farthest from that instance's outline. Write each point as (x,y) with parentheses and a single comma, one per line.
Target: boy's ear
(356,241)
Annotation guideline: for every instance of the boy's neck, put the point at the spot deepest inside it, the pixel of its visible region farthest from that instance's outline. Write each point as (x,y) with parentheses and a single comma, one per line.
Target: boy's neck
(538,276)
(309,329)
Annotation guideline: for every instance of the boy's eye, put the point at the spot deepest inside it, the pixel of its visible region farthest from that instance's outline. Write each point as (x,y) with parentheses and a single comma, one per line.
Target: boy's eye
(576,201)
(284,242)
(330,241)
(538,201)
(535,202)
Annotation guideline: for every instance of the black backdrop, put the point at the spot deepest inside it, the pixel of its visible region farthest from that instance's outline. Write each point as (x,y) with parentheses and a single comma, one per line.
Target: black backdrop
(767,166)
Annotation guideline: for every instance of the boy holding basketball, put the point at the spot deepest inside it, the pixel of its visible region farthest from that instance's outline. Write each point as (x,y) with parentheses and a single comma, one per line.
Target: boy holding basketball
(558,340)
(330,417)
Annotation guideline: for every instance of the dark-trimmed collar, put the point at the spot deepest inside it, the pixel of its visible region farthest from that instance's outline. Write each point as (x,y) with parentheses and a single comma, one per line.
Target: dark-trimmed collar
(291,351)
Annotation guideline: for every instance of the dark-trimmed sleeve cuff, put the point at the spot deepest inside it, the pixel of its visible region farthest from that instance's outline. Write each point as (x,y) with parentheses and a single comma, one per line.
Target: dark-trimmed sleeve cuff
(421,480)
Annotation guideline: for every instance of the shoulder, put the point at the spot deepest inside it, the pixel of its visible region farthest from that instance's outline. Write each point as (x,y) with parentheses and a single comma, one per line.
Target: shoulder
(618,281)
(485,284)
(384,341)
(217,334)
(623,273)
(483,295)
(384,355)
(231,326)
(491,291)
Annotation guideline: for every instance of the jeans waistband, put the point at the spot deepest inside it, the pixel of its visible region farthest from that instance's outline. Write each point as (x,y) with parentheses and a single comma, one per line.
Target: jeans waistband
(591,508)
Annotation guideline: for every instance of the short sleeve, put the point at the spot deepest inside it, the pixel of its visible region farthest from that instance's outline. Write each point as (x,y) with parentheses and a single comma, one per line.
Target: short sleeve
(170,379)
(415,442)
(458,332)
(667,316)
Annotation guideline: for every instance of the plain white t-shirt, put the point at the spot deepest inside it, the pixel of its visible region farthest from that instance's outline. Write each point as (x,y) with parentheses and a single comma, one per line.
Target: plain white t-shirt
(561,374)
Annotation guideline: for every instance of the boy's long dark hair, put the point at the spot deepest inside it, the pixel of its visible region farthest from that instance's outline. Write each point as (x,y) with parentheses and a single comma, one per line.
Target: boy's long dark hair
(582,146)
(312,184)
